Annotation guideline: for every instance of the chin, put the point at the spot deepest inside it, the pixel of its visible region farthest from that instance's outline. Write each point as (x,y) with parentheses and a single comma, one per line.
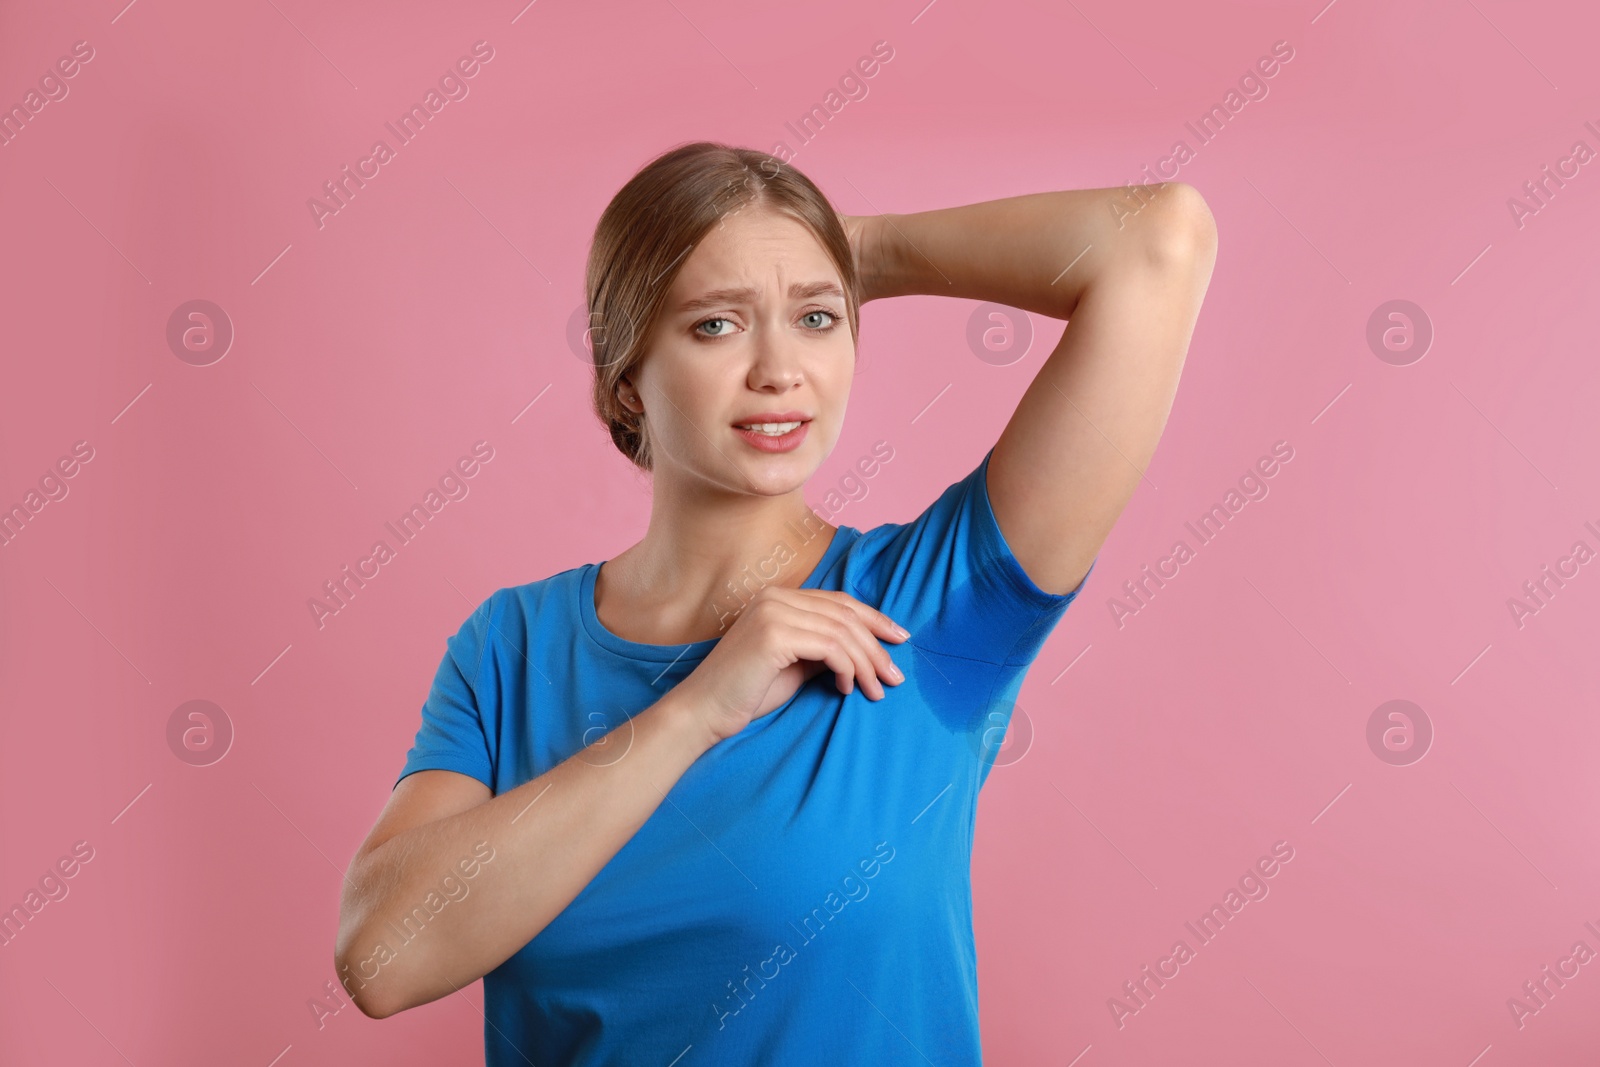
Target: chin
(772,482)
(775,475)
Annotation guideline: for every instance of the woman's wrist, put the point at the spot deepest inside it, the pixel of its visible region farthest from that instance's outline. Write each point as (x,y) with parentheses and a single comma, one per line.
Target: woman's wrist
(682,721)
(870,241)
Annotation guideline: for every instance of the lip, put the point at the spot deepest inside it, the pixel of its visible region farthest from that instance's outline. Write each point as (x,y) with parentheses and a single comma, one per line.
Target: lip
(786,443)
(774,416)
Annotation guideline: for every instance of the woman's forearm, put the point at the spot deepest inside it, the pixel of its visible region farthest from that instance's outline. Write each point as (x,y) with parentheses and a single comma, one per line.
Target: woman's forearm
(1038,252)
(550,836)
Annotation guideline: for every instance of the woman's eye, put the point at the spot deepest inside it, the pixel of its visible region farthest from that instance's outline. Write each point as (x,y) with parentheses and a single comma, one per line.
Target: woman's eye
(818,321)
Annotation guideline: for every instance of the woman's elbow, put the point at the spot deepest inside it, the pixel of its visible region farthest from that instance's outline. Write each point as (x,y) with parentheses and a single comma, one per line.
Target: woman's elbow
(376,998)
(359,965)
(1181,233)
(376,1008)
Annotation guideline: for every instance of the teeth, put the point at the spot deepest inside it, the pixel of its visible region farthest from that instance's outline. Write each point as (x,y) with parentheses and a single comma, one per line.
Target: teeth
(771,429)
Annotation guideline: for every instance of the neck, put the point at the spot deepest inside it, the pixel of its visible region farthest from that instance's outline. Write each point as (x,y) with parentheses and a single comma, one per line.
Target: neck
(702,561)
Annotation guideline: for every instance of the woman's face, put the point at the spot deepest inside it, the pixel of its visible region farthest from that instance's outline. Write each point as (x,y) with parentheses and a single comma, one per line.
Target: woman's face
(754,329)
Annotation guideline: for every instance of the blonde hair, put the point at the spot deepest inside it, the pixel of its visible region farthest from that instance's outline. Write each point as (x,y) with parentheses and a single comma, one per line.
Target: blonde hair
(644,236)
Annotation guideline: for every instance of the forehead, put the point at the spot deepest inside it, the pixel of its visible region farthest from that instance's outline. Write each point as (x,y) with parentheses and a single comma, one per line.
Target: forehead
(753,246)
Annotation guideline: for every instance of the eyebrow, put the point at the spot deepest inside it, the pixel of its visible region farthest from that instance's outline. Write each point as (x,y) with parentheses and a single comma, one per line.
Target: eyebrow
(721,297)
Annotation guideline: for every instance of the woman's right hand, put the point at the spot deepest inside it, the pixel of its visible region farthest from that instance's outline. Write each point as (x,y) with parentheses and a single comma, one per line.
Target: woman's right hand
(779,641)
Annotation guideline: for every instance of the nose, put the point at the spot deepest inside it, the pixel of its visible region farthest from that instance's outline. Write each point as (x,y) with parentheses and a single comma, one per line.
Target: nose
(777,365)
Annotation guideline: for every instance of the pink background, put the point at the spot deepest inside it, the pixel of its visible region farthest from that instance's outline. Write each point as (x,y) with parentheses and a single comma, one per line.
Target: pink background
(1230,713)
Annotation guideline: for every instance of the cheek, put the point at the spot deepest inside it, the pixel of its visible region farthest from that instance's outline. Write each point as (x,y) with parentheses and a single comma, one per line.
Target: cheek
(835,376)
(687,398)
(843,349)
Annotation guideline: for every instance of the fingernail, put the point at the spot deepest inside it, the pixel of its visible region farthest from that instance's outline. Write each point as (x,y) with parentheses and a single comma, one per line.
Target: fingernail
(901,630)
(894,672)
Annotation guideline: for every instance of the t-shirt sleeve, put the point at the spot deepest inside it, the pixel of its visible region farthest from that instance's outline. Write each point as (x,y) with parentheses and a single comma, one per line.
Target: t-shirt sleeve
(952,580)
(453,736)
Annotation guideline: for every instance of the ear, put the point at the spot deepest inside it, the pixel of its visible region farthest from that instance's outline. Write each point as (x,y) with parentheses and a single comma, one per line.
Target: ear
(628,395)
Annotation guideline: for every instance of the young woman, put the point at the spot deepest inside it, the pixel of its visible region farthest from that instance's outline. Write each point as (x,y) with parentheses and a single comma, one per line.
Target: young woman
(632,808)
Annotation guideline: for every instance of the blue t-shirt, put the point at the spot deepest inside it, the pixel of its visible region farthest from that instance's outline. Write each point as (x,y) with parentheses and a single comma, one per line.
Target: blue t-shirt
(803,893)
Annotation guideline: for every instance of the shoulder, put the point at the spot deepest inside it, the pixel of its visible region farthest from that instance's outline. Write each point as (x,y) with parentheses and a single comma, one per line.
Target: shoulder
(540,591)
(510,611)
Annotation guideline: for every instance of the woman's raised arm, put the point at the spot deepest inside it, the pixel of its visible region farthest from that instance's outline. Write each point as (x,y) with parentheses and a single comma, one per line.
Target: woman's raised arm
(1129,269)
